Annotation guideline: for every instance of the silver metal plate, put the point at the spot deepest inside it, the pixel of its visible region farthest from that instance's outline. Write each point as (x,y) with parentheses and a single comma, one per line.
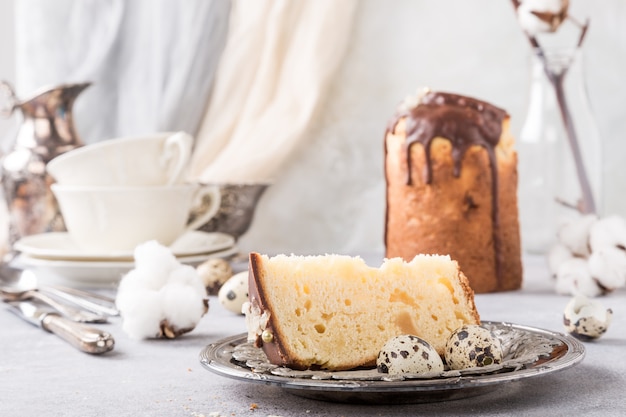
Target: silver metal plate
(528,352)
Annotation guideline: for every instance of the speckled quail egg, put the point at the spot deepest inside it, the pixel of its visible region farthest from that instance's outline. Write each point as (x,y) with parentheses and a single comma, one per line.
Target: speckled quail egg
(214,273)
(472,346)
(586,319)
(234,292)
(408,354)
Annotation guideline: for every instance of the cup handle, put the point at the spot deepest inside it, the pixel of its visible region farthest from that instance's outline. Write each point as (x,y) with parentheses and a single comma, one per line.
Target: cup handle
(201,194)
(177,146)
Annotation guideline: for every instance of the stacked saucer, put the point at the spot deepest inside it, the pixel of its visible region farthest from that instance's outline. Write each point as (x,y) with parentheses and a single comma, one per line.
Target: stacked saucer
(56,257)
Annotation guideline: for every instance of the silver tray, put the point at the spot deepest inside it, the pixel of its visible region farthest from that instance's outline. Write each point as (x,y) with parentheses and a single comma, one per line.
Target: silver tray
(528,352)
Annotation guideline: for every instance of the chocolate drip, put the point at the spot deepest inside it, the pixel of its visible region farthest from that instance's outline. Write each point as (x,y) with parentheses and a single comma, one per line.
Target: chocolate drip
(465,122)
(272,349)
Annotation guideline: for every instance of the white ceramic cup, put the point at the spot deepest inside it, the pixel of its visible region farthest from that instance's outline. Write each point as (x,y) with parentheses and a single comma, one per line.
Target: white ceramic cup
(110,219)
(153,159)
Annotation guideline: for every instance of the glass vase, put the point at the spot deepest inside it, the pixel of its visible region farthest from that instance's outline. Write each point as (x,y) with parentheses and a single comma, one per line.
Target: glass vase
(560,152)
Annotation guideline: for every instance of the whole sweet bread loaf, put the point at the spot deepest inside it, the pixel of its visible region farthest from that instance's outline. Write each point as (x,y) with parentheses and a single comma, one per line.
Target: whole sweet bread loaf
(451,174)
(334,312)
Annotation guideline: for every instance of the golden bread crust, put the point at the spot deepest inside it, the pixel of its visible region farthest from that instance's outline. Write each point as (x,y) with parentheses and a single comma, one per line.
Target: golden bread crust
(453,215)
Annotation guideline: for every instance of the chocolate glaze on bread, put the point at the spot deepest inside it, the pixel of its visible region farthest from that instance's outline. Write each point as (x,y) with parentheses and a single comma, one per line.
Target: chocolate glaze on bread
(451,174)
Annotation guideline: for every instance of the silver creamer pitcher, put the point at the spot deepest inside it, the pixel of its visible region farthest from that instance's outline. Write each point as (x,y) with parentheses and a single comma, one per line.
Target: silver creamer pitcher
(46,130)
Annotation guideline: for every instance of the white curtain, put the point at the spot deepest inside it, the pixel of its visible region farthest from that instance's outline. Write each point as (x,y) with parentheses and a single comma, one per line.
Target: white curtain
(274,75)
(152,62)
(154,65)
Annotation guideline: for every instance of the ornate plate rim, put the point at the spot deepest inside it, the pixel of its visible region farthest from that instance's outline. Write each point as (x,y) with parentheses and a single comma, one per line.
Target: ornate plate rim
(211,359)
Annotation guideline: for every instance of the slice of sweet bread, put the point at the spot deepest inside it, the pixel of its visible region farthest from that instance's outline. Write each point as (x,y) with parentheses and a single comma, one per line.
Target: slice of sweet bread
(334,312)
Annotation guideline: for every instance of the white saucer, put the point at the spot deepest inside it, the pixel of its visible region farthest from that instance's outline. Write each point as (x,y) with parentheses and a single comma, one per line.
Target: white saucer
(60,246)
(96,274)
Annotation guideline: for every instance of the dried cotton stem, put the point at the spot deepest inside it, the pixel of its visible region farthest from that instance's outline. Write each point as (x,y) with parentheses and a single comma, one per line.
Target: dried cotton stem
(586,205)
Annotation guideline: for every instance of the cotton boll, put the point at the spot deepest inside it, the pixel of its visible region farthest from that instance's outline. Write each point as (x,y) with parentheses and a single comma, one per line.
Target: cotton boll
(552,6)
(531,23)
(608,266)
(128,297)
(133,296)
(537,16)
(558,254)
(131,281)
(566,274)
(141,313)
(182,307)
(574,234)
(155,262)
(160,296)
(573,277)
(609,231)
(146,252)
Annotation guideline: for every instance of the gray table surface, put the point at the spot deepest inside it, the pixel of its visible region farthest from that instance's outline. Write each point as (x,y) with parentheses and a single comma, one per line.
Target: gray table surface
(40,375)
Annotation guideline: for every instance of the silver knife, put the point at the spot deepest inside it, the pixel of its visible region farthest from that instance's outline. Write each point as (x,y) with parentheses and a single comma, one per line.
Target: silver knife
(86,338)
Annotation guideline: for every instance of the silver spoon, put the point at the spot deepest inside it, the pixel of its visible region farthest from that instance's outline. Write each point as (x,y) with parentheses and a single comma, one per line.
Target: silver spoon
(91,301)
(17,291)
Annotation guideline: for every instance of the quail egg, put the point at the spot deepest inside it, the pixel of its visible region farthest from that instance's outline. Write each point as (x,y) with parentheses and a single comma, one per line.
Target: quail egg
(214,273)
(234,292)
(472,346)
(586,319)
(408,354)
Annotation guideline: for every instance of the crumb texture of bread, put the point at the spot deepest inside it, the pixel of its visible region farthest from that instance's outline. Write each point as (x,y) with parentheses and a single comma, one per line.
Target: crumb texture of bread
(335,312)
